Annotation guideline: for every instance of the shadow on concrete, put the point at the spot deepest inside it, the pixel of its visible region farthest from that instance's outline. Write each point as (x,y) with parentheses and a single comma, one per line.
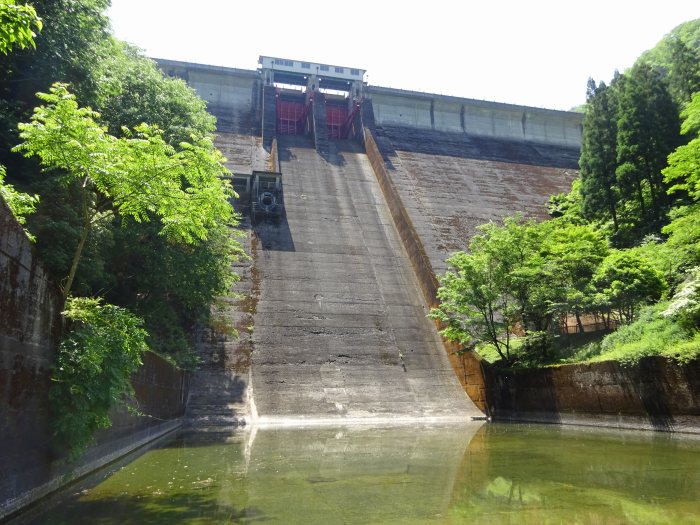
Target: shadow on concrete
(460,145)
(274,234)
(653,394)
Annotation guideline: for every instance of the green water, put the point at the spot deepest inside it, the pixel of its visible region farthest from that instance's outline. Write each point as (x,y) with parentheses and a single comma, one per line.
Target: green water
(490,473)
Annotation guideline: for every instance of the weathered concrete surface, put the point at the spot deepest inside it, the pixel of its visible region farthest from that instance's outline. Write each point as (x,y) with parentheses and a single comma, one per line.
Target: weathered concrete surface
(397,107)
(340,329)
(29,323)
(451,183)
(468,366)
(218,392)
(655,394)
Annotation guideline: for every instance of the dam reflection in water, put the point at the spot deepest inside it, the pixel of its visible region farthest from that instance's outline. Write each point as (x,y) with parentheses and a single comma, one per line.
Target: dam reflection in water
(490,473)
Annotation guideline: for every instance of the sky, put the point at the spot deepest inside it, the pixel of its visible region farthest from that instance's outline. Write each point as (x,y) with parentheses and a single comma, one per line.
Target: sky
(534,53)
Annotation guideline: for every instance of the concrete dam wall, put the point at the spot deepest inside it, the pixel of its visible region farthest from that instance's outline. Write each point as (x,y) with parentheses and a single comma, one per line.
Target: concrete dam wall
(338,288)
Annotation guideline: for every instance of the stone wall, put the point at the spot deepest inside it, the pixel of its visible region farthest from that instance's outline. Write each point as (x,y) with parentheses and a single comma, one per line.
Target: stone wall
(655,394)
(30,324)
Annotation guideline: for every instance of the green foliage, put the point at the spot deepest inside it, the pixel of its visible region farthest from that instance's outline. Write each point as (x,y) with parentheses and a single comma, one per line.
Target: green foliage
(683,170)
(568,206)
(132,90)
(478,298)
(139,176)
(678,54)
(647,131)
(17,25)
(171,285)
(625,281)
(93,368)
(21,204)
(684,306)
(520,276)
(599,194)
(653,334)
(684,237)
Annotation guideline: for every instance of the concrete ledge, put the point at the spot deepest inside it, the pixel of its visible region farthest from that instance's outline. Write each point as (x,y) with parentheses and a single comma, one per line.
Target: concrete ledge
(678,424)
(379,421)
(95,458)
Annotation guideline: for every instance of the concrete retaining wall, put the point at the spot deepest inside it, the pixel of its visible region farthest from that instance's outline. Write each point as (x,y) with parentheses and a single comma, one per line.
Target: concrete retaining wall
(397,107)
(29,329)
(655,394)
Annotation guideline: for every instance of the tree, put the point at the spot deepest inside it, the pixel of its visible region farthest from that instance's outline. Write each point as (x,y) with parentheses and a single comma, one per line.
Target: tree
(599,191)
(132,90)
(21,204)
(572,253)
(684,74)
(625,281)
(17,25)
(647,131)
(683,171)
(137,176)
(479,295)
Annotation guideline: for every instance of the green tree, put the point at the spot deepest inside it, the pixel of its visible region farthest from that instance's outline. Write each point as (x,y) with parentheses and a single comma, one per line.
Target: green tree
(69,48)
(684,73)
(17,25)
(573,253)
(479,296)
(625,281)
(568,206)
(599,191)
(132,90)
(647,131)
(683,171)
(137,176)
(21,204)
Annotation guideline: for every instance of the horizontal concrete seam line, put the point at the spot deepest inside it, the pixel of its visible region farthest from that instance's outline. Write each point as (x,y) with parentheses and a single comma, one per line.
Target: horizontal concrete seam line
(290,422)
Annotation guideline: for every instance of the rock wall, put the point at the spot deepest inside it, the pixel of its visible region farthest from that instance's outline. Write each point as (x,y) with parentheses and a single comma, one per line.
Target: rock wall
(655,394)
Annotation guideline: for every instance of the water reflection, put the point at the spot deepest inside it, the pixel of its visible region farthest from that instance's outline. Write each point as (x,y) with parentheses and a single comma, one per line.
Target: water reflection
(443,475)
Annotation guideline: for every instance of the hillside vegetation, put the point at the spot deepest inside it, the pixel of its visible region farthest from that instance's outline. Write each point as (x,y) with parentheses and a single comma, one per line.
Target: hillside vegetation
(622,249)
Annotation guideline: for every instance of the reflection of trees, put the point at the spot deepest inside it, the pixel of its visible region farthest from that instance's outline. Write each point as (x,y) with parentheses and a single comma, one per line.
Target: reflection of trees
(511,491)
(519,474)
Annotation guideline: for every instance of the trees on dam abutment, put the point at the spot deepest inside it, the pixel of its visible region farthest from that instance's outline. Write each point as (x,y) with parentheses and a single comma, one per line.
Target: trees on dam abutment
(622,248)
(132,218)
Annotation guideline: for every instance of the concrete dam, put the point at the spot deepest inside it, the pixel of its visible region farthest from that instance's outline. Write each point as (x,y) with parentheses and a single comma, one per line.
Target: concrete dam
(351,198)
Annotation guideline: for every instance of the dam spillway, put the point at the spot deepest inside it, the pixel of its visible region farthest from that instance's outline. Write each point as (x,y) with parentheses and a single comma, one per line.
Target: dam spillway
(380,186)
(340,329)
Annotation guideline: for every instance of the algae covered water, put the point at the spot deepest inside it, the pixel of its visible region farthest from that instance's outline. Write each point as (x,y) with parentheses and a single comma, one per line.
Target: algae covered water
(477,473)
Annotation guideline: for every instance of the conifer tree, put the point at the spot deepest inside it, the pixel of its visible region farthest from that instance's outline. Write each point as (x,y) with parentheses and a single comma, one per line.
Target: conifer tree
(599,190)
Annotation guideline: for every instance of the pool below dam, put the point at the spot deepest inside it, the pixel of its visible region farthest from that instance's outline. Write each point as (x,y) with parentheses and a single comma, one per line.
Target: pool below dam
(471,473)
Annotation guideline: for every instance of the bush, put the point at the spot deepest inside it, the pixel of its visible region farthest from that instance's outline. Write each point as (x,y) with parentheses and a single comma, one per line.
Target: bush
(93,370)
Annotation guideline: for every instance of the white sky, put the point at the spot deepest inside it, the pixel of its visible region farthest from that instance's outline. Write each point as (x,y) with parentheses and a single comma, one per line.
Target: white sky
(534,53)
